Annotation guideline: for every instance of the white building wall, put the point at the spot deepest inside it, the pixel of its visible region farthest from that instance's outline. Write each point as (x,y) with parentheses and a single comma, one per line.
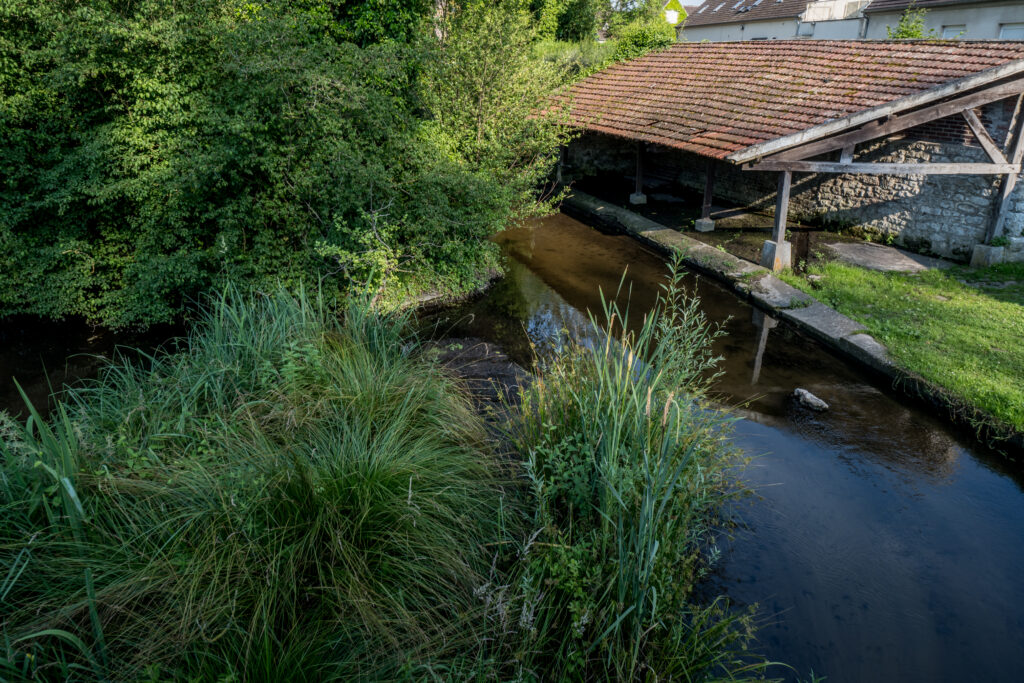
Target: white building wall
(754,30)
(843,29)
(982,22)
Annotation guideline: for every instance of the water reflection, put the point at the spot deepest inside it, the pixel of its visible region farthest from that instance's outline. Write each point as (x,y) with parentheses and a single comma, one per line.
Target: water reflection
(883,544)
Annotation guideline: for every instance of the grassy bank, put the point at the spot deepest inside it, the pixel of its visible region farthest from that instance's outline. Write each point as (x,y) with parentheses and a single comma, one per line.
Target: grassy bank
(959,328)
(295,495)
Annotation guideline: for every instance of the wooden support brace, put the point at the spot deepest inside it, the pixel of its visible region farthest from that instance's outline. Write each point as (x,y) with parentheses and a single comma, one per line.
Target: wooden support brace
(982,136)
(846,156)
(1008,181)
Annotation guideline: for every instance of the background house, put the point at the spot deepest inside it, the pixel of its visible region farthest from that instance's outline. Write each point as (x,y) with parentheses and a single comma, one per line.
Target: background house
(959,19)
(731,20)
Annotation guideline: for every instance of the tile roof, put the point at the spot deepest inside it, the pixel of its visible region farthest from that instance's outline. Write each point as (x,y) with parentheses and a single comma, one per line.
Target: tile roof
(715,99)
(742,11)
(900,5)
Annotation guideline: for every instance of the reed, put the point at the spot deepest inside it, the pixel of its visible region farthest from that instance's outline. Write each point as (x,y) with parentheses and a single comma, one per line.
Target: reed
(628,466)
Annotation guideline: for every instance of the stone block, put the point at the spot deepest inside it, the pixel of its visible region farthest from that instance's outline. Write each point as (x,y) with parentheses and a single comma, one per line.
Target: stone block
(986,255)
(776,256)
(1016,244)
(637,198)
(704,225)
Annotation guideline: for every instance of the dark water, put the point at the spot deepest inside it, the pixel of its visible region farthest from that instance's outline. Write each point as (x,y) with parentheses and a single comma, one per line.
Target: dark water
(882,545)
(43,356)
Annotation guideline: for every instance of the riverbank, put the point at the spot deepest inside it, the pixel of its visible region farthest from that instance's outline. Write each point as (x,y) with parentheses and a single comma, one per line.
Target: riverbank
(843,335)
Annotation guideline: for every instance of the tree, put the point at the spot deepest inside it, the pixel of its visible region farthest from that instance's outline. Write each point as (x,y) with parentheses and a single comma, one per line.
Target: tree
(910,26)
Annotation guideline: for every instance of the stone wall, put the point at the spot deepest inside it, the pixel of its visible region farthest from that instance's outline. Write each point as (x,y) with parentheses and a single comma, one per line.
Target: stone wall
(938,214)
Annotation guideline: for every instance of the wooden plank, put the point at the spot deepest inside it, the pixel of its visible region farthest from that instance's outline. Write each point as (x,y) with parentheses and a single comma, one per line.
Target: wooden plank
(884,169)
(709,188)
(782,207)
(846,156)
(896,124)
(1012,127)
(1010,70)
(982,136)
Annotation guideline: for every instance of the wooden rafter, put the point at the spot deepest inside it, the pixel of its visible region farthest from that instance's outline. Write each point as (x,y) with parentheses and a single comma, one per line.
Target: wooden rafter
(1015,139)
(895,124)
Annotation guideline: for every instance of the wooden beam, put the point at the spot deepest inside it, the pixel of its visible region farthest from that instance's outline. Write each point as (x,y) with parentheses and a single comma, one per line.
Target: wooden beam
(1010,70)
(982,136)
(709,188)
(884,169)
(1008,181)
(846,156)
(782,207)
(896,124)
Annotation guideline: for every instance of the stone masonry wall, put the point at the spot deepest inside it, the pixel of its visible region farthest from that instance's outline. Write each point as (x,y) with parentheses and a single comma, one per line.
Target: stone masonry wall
(945,215)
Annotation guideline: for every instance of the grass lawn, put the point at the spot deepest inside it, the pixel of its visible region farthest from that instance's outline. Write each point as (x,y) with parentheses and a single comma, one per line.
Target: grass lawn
(960,328)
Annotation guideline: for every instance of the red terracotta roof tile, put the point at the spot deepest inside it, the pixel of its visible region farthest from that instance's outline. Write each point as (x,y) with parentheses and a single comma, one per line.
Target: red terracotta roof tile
(715,99)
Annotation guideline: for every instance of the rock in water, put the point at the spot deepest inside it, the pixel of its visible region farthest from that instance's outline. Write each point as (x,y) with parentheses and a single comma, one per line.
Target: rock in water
(809,400)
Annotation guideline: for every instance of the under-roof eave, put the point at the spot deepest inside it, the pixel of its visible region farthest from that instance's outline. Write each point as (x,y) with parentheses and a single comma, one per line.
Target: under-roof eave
(859,118)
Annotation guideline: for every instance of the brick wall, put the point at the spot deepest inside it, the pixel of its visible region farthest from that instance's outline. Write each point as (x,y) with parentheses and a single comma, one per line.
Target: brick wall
(938,214)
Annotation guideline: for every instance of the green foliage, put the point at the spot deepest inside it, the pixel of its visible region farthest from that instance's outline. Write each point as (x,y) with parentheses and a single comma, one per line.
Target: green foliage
(575,60)
(150,151)
(627,467)
(484,89)
(566,20)
(643,36)
(290,497)
(910,26)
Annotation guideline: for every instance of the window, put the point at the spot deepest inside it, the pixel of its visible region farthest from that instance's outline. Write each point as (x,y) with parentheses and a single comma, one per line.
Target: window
(1011,31)
(954,31)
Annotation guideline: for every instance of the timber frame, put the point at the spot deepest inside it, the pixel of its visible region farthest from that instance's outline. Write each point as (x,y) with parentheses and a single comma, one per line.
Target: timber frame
(1004,159)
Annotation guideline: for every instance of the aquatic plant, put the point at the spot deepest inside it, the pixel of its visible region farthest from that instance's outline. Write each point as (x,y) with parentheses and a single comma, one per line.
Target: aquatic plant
(627,466)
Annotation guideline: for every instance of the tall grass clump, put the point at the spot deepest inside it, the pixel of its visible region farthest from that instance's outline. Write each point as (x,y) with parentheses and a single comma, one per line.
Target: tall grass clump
(290,496)
(628,466)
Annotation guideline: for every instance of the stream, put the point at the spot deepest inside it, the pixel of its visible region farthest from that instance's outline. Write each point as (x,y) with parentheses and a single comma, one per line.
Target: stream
(881,545)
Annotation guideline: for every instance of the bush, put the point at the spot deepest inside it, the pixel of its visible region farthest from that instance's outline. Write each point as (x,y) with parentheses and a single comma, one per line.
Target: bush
(643,36)
(575,60)
(153,151)
(288,498)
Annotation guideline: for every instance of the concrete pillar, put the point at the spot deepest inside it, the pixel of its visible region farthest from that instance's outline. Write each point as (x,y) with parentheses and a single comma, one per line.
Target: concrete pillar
(639,197)
(777,253)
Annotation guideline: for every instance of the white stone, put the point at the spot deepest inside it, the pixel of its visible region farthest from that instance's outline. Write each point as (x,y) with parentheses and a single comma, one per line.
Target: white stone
(986,255)
(776,256)
(704,225)
(809,400)
(637,198)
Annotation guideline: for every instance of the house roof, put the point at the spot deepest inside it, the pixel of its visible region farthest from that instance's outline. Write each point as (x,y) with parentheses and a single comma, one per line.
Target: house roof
(734,100)
(743,11)
(900,5)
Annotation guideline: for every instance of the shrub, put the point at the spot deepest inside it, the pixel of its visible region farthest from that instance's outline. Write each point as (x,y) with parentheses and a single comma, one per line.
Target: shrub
(288,498)
(643,36)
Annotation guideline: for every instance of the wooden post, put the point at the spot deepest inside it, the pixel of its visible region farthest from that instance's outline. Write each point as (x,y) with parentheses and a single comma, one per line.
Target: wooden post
(639,168)
(639,197)
(782,207)
(1015,137)
(709,187)
(561,164)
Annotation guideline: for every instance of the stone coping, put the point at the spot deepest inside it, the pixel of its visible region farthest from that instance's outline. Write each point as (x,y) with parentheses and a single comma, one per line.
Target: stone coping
(846,337)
